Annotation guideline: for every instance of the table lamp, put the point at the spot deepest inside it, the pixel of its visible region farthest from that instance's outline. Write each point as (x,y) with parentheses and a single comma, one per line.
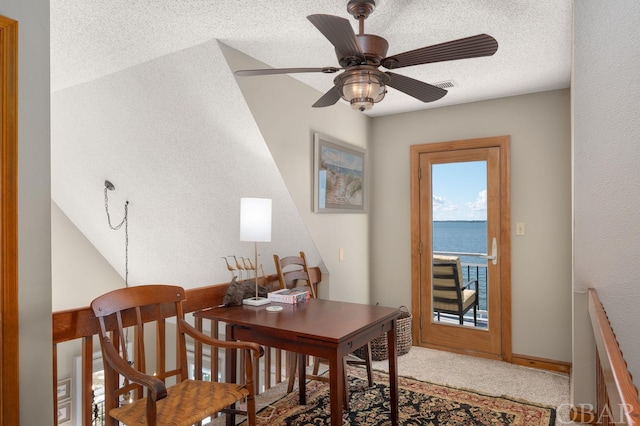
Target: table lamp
(255,225)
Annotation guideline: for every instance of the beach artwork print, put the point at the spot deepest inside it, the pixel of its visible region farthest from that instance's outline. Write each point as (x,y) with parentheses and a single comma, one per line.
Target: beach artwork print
(339,172)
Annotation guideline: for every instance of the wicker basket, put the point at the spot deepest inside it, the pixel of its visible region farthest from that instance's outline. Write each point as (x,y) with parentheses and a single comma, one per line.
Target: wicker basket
(403,339)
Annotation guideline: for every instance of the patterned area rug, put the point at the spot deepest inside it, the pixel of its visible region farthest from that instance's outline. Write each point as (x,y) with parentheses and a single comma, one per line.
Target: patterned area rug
(420,403)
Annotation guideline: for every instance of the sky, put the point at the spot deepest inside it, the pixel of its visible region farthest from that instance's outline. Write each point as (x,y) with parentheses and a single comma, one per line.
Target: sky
(459,191)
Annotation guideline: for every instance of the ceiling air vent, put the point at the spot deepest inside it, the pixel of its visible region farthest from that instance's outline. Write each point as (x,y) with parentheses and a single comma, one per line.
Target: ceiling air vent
(447,84)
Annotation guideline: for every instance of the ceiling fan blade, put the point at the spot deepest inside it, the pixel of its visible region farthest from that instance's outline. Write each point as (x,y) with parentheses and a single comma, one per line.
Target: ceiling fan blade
(340,33)
(422,91)
(271,71)
(469,47)
(328,99)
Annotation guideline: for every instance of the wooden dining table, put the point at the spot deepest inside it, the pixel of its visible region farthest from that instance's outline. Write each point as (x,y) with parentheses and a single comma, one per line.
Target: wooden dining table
(322,328)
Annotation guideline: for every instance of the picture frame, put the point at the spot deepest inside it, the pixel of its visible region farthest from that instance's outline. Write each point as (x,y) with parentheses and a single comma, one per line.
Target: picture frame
(64,412)
(64,389)
(339,176)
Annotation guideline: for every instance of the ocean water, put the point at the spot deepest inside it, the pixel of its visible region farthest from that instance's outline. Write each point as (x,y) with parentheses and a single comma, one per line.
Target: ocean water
(465,237)
(462,237)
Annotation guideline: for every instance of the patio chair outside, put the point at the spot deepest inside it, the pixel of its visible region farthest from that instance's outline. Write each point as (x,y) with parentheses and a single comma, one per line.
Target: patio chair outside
(450,295)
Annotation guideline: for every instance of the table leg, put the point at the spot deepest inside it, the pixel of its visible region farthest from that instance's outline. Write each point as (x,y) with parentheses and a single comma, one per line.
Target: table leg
(393,373)
(302,378)
(230,366)
(336,388)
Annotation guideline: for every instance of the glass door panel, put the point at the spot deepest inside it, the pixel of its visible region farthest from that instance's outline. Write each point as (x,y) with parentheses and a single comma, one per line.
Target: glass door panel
(459,235)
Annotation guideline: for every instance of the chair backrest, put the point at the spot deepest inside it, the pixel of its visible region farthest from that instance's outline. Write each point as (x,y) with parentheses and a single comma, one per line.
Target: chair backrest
(447,278)
(128,310)
(293,269)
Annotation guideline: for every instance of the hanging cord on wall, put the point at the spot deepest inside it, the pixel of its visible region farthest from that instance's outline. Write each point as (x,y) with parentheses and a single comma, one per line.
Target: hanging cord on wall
(108,186)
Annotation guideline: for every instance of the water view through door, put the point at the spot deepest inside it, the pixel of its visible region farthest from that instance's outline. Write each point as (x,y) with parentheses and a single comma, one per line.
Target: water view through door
(460,223)
(466,240)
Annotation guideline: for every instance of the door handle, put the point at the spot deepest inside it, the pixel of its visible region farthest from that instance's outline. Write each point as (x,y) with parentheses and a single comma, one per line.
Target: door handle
(494,252)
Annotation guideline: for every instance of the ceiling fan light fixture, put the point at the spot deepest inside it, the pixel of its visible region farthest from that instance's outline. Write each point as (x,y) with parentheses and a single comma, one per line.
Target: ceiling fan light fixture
(362,87)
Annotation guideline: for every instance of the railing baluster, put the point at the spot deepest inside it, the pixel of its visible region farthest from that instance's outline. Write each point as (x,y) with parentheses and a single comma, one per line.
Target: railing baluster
(87,380)
(197,352)
(215,362)
(278,365)
(267,367)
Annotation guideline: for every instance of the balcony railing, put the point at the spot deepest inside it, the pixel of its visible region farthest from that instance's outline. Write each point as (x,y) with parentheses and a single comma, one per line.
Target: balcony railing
(80,325)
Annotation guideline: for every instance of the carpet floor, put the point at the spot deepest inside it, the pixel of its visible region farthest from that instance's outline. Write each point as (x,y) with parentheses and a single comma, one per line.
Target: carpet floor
(420,403)
(487,377)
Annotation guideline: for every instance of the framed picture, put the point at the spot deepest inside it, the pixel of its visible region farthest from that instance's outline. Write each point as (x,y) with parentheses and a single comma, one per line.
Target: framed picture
(339,176)
(64,389)
(64,412)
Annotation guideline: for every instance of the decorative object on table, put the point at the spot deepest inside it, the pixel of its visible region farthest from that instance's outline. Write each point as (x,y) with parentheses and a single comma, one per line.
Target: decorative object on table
(339,176)
(230,268)
(240,268)
(255,225)
(379,345)
(248,266)
(237,291)
(420,403)
(289,295)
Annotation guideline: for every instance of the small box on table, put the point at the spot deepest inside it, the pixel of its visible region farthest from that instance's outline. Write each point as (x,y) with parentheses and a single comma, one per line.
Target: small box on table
(289,295)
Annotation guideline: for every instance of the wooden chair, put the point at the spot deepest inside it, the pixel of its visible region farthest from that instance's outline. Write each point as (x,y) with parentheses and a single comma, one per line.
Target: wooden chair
(168,396)
(290,278)
(449,294)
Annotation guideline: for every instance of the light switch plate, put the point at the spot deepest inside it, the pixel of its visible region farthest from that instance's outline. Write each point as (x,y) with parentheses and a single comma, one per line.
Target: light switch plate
(520,228)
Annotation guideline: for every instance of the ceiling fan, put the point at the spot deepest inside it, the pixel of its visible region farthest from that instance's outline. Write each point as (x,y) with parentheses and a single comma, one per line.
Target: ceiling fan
(360,55)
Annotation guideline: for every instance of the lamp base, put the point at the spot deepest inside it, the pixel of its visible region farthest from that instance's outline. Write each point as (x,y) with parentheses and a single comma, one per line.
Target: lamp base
(256,301)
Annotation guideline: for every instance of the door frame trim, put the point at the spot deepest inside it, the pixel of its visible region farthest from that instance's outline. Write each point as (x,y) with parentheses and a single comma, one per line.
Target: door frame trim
(504,143)
(9,331)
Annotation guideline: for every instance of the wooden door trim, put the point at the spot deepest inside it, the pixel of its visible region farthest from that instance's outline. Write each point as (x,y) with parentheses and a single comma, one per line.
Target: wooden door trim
(502,142)
(9,373)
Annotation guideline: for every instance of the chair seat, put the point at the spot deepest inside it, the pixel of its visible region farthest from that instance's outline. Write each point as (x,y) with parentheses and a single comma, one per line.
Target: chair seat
(468,299)
(189,401)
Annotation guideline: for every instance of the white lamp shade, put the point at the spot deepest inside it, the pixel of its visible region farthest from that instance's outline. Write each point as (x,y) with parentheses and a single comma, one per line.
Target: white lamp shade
(255,219)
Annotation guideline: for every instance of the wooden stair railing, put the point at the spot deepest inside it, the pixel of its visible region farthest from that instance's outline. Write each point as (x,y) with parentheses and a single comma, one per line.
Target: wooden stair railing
(80,324)
(617,397)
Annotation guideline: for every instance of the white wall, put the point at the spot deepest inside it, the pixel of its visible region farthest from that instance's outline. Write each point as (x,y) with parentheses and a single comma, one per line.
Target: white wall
(539,126)
(34,234)
(606,126)
(280,107)
(79,272)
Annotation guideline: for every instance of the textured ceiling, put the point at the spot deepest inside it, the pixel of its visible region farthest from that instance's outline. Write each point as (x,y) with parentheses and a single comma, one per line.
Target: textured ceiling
(93,39)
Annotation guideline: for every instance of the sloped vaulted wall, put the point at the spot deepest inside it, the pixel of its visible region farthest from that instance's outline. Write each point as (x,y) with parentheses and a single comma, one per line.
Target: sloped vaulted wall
(182,155)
